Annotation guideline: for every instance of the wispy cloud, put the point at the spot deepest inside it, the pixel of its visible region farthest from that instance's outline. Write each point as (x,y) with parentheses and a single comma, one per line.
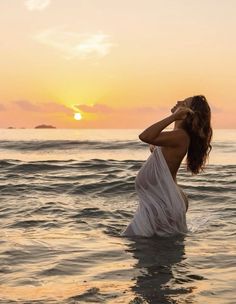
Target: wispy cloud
(74,44)
(55,108)
(26,105)
(97,108)
(38,5)
(47,107)
(105,109)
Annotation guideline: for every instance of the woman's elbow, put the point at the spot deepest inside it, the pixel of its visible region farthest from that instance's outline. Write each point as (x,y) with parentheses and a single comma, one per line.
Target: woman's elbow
(140,136)
(143,138)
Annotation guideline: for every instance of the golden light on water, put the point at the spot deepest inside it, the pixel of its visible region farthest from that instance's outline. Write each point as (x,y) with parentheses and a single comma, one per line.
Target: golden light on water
(77,116)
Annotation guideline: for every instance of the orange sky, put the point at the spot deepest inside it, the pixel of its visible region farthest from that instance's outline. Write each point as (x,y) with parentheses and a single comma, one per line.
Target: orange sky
(121,64)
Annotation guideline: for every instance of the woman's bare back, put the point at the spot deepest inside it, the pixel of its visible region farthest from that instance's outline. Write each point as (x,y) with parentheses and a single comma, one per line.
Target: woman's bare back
(174,157)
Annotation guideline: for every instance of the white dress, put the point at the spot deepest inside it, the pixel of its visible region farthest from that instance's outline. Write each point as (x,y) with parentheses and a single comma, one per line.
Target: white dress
(161,210)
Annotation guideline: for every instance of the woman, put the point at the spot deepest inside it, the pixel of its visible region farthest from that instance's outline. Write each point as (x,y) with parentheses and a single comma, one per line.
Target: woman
(162,204)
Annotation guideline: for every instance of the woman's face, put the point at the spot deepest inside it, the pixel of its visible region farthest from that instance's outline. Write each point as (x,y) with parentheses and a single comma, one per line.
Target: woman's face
(182,103)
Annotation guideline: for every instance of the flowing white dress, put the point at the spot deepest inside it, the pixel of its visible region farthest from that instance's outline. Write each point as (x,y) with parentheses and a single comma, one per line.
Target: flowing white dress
(161,210)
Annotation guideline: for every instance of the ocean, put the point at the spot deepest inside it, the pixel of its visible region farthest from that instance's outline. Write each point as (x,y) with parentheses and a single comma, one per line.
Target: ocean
(65,197)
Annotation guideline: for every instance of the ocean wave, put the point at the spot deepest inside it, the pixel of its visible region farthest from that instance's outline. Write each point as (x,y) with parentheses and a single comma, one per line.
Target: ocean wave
(101,177)
(52,145)
(226,147)
(16,166)
(70,145)
(112,166)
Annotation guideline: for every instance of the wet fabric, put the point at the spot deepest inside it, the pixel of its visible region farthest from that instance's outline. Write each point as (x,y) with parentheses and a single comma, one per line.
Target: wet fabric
(161,210)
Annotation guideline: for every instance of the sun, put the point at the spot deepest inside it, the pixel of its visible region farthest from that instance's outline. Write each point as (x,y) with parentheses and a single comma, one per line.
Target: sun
(77,116)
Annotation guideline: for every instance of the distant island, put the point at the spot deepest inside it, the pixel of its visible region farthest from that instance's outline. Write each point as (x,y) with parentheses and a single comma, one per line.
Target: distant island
(45,127)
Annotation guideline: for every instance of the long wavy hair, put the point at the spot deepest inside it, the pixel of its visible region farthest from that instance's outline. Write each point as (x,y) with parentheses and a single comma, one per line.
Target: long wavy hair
(198,126)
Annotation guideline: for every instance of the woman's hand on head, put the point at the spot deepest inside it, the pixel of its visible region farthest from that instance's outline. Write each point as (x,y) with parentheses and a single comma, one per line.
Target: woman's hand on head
(181,113)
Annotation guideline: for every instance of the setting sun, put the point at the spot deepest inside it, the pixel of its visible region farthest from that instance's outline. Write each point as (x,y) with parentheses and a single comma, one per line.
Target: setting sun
(77,116)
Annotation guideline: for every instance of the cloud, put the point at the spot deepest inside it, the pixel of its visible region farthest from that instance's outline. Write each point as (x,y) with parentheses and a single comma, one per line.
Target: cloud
(74,44)
(97,108)
(48,107)
(27,105)
(55,107)
(104,109)
(38,5)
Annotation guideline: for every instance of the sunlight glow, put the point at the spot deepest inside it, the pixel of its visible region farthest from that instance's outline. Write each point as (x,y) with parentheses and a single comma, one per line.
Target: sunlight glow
(77,116)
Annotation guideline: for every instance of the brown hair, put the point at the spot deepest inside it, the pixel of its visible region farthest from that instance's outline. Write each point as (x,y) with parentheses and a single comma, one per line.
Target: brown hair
(198,126)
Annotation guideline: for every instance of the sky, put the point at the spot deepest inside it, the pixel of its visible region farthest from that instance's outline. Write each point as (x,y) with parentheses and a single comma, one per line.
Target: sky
(120,64)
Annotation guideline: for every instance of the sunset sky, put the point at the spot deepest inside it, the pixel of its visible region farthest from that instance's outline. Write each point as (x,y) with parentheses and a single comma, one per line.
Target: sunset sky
(119,63)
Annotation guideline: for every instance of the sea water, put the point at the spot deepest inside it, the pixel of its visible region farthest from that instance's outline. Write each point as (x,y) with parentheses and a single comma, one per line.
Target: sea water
(65,196)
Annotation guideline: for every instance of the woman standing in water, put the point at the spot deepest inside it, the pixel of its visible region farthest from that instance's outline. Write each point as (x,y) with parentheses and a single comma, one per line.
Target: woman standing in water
(162,204)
